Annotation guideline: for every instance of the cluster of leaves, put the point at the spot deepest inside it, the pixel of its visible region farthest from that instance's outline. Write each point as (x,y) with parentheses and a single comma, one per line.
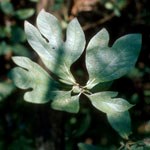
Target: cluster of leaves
(104,64)
(10,31)
(8,8)
(12,38)
(12,41)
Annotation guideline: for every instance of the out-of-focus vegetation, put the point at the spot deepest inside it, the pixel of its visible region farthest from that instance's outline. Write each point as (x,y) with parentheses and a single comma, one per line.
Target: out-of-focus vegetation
(27,126)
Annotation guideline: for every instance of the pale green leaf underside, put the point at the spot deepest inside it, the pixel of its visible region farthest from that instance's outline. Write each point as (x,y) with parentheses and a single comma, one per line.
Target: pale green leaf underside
(55,54)
(75,41)
(50,28)
(105,102)
(31,76)
(106,63)
(120,122)
(101,39)
(65,102)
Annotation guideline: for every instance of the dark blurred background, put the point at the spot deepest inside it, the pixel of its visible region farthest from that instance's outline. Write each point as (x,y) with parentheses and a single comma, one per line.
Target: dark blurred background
(26,126)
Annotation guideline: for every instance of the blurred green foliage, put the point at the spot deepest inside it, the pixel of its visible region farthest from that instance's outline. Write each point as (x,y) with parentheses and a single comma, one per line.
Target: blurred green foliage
(12,42)
(115,5)
(12,38)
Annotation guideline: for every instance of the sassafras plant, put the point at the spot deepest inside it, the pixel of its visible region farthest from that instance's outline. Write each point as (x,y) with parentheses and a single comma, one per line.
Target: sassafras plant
(104,64)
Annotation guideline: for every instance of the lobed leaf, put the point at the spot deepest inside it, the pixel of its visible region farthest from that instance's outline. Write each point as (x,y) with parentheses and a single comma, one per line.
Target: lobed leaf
(50,28)
(53,52)
(65,102)
(105,102)
(32,77)
(39,44)
(106,63)
(120,122)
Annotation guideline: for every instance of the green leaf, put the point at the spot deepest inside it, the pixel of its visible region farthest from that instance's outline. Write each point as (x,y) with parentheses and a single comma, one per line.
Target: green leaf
(2,31)
(75,42)
(32,76)
(106,63)
(19,49)
(39,44)
(53,52)
(17,34)
(4,48)
(121,122)
(65,102)
(100,40)
(7,7)
(50,28)
(6,88)
(24,13)
(105,102)
(52,58)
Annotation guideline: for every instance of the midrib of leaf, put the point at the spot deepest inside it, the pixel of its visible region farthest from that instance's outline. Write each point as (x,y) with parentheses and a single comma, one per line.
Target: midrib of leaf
(68,75)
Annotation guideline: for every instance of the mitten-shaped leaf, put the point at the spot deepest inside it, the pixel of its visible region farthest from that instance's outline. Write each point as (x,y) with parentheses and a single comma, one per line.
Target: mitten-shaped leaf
(31,76)
(100,40)
(41,46)
(106,63)
(121,122)
(65,102)
(105,102)
(50,28)
(55,54)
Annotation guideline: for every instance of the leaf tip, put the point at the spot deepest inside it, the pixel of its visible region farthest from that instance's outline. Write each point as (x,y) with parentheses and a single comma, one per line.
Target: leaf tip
(104,30)
(140,37)
(75,20)
(42,10)
(14,58)
(26,24)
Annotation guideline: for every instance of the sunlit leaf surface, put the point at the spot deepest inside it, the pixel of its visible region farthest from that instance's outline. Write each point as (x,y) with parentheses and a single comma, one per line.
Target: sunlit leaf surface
(65,102)
(105,102)
(106,63)
(55,54)
(32,77)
